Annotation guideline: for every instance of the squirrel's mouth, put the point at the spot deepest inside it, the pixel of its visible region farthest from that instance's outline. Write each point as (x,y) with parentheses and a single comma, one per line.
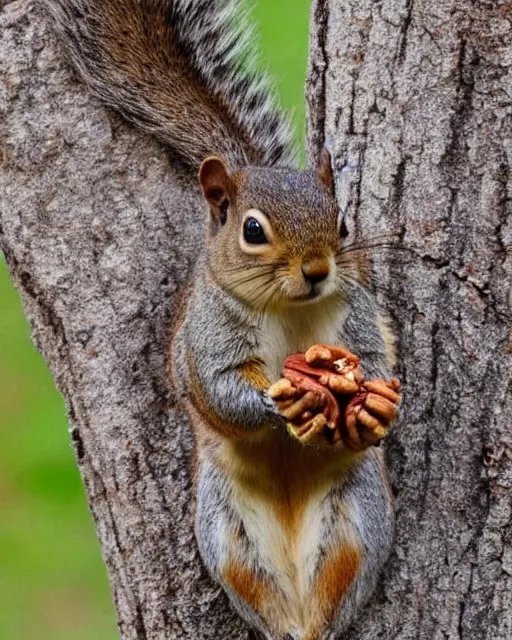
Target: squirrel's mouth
(316,293)
(308,281)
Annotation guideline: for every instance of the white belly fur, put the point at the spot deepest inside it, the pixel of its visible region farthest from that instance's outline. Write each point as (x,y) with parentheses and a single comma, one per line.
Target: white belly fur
(292,561)
(296,330)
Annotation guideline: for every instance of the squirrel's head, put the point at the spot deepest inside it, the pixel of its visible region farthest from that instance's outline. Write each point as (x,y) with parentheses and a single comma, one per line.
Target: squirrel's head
(275,235)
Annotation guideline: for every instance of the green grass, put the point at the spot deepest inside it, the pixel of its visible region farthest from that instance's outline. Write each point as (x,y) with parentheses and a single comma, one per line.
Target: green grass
(53,584)
(52,581)
(283,30)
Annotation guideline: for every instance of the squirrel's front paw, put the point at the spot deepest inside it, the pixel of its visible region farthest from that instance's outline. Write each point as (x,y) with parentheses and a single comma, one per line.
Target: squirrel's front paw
(370,414)
(325,399)
(304,410)
(319,381)
(281,399)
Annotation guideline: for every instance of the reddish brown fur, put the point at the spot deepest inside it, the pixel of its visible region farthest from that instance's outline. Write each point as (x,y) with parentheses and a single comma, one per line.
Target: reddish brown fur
(283,472)
(255,591)
(136,63)
(252,371)
(332,583)
(145,63)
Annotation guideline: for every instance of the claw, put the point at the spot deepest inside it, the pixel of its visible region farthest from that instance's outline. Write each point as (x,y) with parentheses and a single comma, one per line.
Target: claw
(371,423)
(282,390)
(308,401)
(381,406)
(382,388)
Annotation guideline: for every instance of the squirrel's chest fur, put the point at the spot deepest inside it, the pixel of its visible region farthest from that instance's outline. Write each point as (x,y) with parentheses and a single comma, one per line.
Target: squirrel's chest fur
(279,487)
(296,329)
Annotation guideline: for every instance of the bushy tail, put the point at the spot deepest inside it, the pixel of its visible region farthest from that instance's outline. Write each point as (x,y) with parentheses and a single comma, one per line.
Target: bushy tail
(177,68)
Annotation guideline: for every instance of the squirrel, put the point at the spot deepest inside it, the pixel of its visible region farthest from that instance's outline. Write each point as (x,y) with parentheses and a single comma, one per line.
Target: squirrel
(295,531)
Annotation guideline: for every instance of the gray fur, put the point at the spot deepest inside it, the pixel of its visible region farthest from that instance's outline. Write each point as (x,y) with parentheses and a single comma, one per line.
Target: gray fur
(364,490)
(361,332)
(214,518)
(215,342)
(217,348)
(368,491)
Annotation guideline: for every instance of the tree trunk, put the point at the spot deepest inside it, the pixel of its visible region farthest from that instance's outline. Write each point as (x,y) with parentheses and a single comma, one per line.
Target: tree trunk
(98,234)
(414,100)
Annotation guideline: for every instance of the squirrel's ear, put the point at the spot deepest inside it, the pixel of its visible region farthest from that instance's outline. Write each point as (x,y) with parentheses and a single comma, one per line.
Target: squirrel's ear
(217,187)
(324,170)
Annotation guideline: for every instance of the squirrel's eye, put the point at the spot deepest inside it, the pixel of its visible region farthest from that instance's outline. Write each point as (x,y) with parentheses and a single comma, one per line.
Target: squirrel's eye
(253,232)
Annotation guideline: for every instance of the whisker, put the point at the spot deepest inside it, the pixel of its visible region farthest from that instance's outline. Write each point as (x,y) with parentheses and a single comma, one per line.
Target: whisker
(259,291)
(362,249)
(379,236)
(259,267)
(358,279)
(273,291)
(371,242)
(246,278)
(373,286)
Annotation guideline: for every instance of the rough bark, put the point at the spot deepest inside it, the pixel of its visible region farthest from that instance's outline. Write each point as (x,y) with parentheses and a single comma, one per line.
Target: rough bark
(414,99)
(98,233)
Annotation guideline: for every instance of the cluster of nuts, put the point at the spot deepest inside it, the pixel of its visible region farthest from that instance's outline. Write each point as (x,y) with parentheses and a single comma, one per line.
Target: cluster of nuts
(324,394)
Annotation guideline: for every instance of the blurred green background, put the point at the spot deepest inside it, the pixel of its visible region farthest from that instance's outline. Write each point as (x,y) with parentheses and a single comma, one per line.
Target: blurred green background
(53,584)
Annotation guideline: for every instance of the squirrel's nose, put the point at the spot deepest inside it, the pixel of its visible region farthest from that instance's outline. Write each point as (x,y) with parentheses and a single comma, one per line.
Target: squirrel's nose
(315,270)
